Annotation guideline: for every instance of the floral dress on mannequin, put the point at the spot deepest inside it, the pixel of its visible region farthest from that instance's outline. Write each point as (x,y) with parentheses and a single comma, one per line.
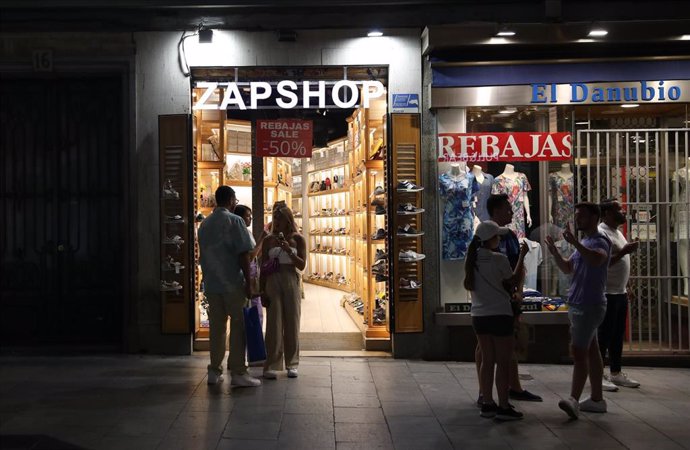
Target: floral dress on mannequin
(458,230)
(563,198)
(516,188)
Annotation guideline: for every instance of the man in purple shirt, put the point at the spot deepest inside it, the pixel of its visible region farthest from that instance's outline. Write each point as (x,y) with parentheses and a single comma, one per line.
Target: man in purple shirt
(586,306)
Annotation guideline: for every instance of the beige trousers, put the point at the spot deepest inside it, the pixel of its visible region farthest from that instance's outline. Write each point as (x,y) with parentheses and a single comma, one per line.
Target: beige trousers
(283,318)
(220,306)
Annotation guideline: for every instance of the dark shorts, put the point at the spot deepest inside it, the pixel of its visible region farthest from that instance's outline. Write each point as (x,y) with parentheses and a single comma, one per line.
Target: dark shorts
(494,325)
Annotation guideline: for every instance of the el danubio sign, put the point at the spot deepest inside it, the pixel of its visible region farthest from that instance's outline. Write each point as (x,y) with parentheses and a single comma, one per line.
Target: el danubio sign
(506,147)
(288,94)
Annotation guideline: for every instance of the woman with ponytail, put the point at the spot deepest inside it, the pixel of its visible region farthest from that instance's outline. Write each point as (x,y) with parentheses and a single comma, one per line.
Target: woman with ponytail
(490,280)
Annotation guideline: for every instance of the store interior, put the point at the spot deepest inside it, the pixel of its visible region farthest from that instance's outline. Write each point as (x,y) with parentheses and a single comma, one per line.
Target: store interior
(337,196)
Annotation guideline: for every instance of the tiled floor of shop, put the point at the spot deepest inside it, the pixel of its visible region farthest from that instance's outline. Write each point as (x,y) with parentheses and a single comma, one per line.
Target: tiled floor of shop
(322,311)
(148,402)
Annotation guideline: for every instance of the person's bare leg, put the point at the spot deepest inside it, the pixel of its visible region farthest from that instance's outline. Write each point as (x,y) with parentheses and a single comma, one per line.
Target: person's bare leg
(478,363)
(514,380)
(503,348)
(580,371)
(596,370)
(486,379)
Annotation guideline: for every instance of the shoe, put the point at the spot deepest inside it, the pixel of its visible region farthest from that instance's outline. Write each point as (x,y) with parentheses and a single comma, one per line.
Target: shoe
(379,265)
(380,210)
(590,405)
(621,379)
(607,386)
(506,414)
(380,255)
(408,186)
(525,396)
(292,373)
(409,230)
(270,374)
(380,234)
(489,410)
(378,191)
(379,270)
(381,278)
(410,256)
(214,378)
(409,209)
(571,407)
(409,284)
(378,202)
(244,380)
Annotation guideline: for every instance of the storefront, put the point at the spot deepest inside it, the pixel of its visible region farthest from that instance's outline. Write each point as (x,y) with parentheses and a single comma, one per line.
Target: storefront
(318,138)
(550,136)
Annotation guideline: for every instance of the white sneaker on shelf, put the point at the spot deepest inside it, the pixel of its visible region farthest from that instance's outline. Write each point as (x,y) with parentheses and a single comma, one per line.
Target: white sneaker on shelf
(606,384)
(292,373)
(570,406)
(214,377)
(244,380)
(621,379)
(270,374)
(590,405)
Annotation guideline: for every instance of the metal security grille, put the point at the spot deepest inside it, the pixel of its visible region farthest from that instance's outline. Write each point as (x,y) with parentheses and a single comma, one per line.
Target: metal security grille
(647,171)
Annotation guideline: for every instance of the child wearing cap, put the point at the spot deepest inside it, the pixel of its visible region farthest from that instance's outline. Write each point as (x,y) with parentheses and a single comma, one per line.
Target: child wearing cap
(489,278)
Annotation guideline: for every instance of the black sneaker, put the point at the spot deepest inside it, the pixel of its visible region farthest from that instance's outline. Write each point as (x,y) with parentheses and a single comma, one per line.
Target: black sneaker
(489,410)
(525,396)
(378,191)
(506,414)
(380,234)
(380,255)
(380,278)
(380,210)
(379,270)
(378,202)
(408,186)
(409,230)
(409,209)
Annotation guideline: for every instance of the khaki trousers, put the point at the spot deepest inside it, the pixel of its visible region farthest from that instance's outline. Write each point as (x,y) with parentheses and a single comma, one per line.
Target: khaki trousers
(283,318)
(220,306)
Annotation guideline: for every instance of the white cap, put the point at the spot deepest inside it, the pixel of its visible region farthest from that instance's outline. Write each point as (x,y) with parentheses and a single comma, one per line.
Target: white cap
(488,229)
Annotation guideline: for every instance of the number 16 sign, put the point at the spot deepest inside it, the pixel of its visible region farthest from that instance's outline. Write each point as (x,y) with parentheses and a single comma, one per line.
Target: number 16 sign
(284,137)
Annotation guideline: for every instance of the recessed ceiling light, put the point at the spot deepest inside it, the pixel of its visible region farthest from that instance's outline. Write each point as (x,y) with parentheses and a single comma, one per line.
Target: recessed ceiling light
(498,40)
(375,33)
(630,105)
(586,40)
(598,32)
(505,33)
(685,37)
(582,123)
(510,110)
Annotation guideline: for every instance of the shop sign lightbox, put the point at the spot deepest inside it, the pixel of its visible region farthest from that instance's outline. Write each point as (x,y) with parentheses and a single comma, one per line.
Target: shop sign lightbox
(505,147)
(288,94)
(284,137)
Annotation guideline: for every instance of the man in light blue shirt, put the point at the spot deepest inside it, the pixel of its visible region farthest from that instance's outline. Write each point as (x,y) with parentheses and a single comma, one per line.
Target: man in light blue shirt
(224,244)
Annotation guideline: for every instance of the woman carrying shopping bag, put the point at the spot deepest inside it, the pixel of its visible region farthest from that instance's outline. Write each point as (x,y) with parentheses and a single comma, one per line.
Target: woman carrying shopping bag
(489,278)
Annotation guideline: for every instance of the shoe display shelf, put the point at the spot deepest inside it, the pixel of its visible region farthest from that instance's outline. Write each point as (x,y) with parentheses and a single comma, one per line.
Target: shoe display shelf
(329,209)
(407,251)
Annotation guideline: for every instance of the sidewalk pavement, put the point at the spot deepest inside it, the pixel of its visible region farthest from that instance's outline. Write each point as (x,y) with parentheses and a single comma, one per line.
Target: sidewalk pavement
(150,402)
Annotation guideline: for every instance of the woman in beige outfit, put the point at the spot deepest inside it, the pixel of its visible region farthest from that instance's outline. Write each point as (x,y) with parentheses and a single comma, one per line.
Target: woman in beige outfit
(281,293)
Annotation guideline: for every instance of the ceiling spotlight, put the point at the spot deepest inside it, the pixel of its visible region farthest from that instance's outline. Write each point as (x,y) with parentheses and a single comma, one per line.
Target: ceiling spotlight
(510,110)
(505,33)
(598,32)
(205,36)
(630,105)
(582,123)
(498,40)
(685,37)
(585,40)
(375,33)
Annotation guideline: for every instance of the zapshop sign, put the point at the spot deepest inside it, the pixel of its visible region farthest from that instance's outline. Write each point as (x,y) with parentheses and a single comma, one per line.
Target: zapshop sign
(288,94)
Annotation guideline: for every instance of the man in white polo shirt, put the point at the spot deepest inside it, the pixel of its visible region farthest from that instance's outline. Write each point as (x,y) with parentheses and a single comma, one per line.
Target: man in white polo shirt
(612,329)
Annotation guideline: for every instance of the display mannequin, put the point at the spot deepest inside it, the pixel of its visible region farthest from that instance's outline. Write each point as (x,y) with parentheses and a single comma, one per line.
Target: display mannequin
(561,186)
(679,219)
(457,187)
(516,186)
(484,181)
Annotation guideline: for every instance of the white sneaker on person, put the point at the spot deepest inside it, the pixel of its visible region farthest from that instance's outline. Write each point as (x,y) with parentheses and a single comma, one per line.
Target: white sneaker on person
(214,377)
(570,406)
(606,384)
(270,374)
(244,380)
(292,373)
(590,405)
(621,379)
